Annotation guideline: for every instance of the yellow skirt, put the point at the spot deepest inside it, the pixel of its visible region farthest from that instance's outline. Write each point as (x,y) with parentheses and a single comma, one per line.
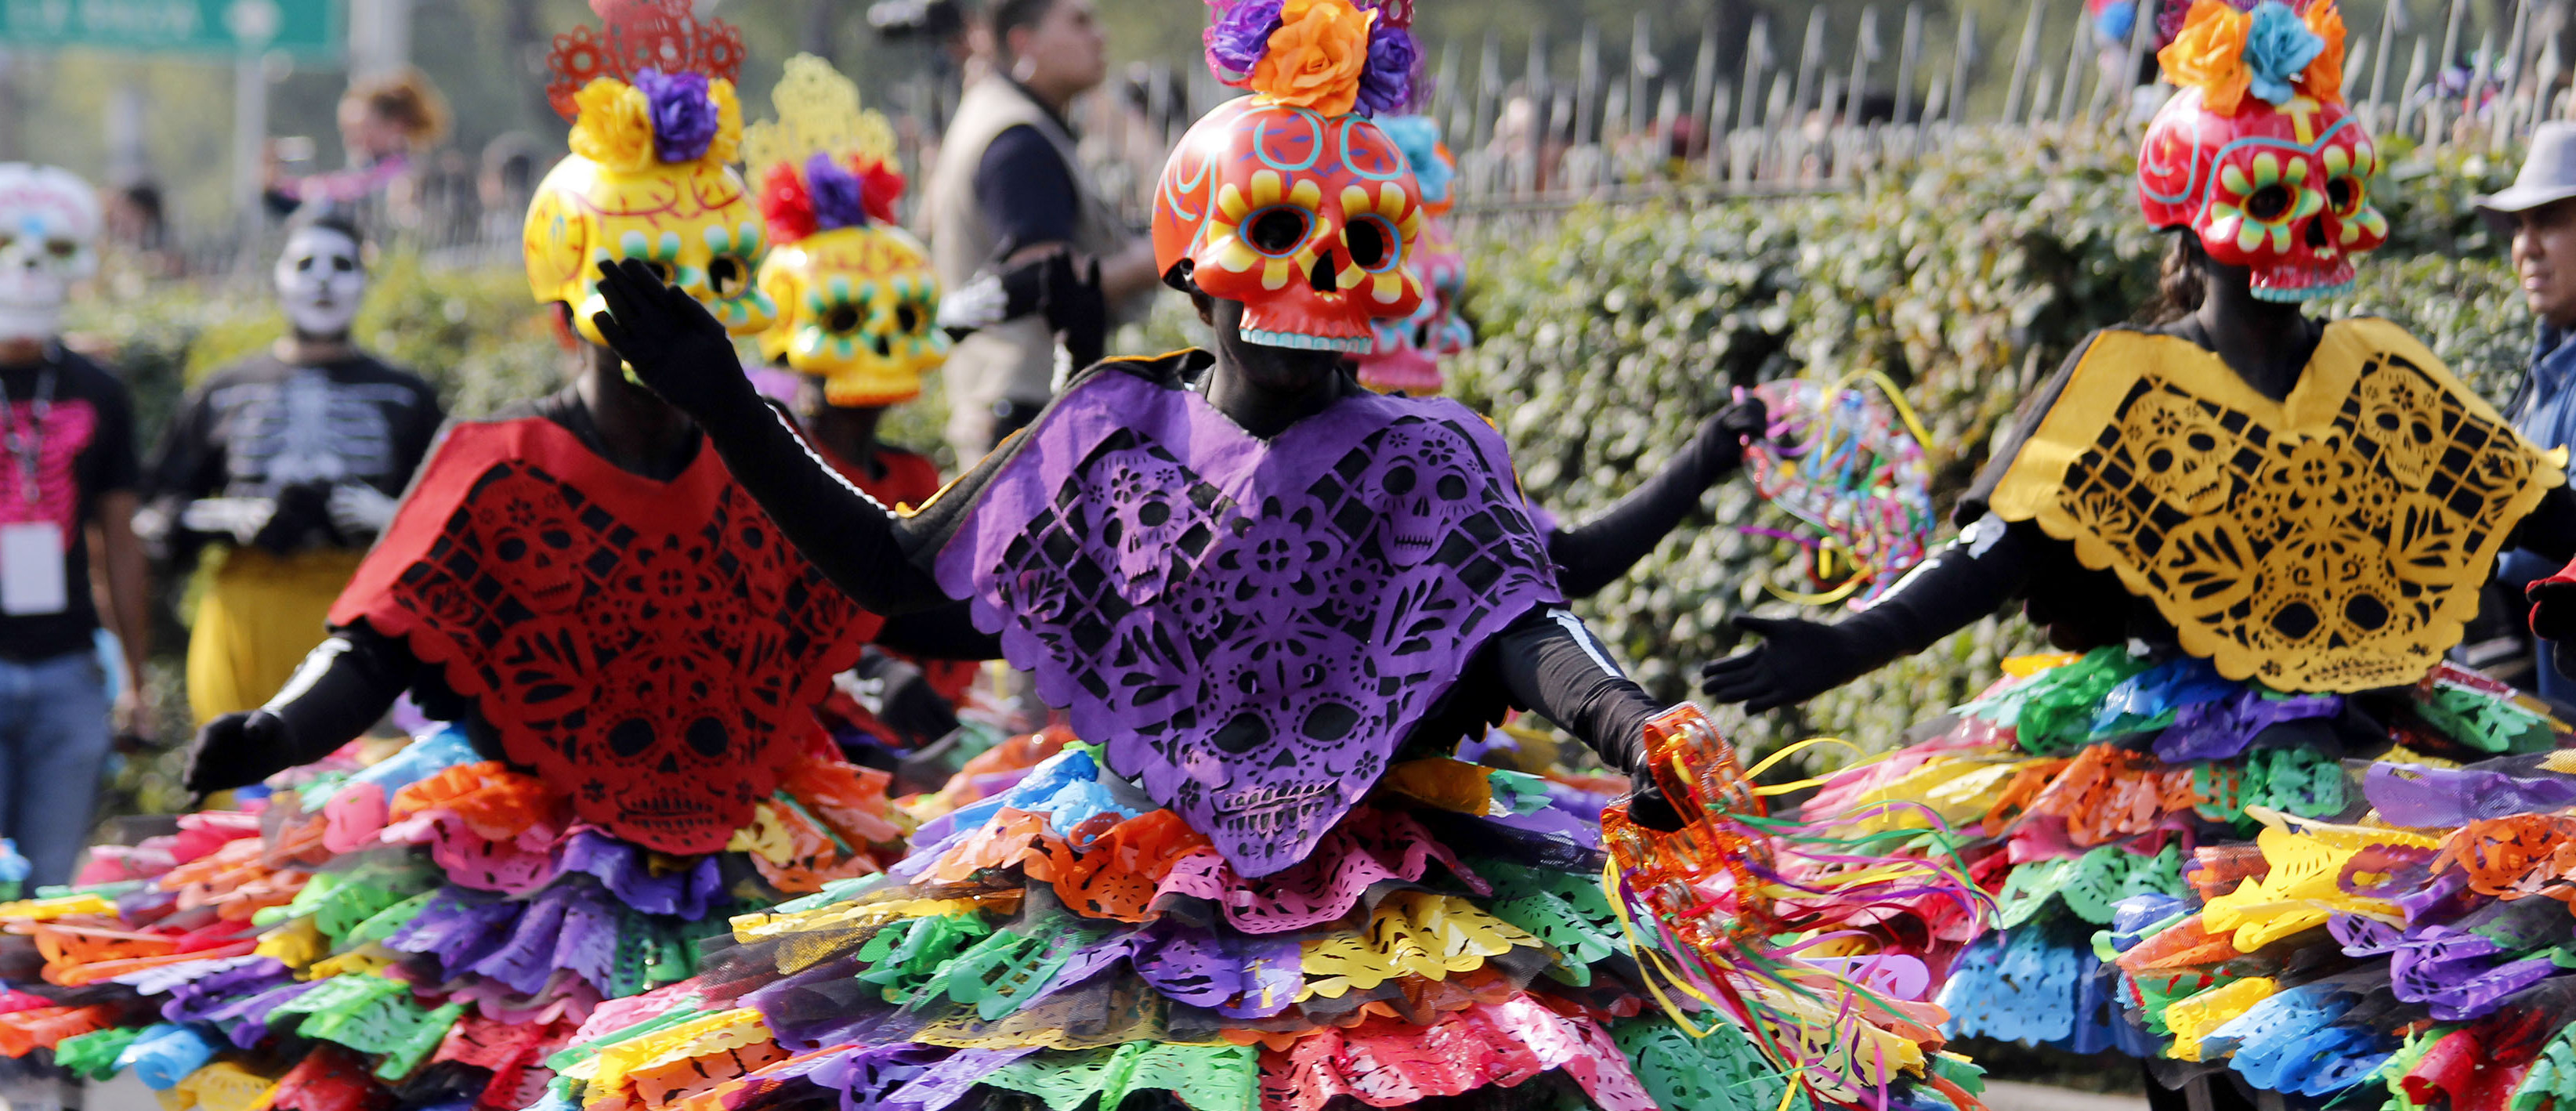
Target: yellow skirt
(256,619)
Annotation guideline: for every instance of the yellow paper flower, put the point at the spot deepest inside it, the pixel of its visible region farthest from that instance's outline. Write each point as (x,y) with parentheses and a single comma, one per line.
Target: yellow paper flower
(615,127)
(720,150)
(2323,81)
(2209,55)
(1317,54)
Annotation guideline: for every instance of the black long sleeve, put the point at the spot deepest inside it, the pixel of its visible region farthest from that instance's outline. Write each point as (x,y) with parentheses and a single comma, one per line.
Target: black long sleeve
(2550,529)
(1552,665)
(1964,581)
(1603,549)
(343,687)
(840,529)
(942,633)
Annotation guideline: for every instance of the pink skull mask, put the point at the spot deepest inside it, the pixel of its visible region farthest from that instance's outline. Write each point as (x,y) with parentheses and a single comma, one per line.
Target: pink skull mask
(1310,221)
(1407,353)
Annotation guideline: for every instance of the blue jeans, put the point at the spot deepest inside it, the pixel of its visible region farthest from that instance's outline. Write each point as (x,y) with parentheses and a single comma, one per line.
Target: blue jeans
(53,740)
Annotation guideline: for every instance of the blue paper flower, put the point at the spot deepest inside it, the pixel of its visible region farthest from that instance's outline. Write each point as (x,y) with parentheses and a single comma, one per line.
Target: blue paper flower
(2278,48)
(836,194)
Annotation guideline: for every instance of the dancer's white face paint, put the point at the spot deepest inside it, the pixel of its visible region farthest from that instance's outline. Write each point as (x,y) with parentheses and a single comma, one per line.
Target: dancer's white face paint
(49,220)
(320,279)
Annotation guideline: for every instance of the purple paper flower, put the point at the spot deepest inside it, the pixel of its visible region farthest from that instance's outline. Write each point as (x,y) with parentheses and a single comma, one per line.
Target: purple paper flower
(684,116)
(836,194)
(1239,36)
(1386,86)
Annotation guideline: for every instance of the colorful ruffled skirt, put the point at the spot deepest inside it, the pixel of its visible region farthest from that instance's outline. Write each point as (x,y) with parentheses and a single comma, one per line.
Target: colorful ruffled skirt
(2209,874)
(426,931)
(1069,940)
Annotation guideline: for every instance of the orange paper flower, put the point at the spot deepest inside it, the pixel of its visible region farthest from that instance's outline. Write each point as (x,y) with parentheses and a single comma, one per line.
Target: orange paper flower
(1316,56)
(2323,80)
(2209,55)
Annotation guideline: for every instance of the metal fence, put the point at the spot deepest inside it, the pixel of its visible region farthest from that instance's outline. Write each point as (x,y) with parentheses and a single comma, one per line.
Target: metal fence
(1794,116)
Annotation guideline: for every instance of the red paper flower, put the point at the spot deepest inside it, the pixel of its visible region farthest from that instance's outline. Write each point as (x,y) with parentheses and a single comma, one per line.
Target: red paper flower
(880,185)
(785,205)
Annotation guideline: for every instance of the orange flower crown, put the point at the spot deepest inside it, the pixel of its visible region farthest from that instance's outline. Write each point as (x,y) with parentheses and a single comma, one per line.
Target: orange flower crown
(2268,51)
(1332,56)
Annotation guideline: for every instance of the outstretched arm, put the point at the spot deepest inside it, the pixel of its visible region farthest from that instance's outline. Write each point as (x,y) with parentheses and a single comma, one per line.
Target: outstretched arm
(1800,659)
(342,688)
(1553,665)
(1604,548)
(680,351)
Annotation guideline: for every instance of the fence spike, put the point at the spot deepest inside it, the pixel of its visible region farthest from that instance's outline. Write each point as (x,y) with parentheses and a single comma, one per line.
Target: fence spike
(2024,59)
(1587,86)
(2406,99)
(1909,51)
(1864,51)
(2437,108)
(2075,44)
(1955,111)
(2386,53)
(1643,67)
(2513,74)
(1811,58)
(1757,48)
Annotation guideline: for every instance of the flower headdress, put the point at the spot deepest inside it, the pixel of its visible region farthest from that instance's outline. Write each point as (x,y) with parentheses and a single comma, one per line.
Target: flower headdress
(829,163)
(1332,56)
(2271,51)
(653,84)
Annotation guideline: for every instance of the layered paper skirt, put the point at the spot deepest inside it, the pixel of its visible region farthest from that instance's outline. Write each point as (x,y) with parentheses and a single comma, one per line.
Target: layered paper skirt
(2313,891)
(1066,940)
(423,932)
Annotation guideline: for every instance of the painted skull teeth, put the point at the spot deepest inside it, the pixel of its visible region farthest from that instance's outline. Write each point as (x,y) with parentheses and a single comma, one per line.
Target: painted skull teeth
(2281,190)
(1310,222)
(861,308)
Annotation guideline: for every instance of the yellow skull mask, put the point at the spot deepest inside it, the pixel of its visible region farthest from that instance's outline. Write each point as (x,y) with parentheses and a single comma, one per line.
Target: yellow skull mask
(857,299)
(858,308)
(666,196)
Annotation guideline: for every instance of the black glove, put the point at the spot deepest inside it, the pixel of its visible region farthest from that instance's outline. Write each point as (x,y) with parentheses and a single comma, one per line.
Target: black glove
(1722,438)
(909,705)
(675,346)
(1647,805)
(1797,660)
(237,750)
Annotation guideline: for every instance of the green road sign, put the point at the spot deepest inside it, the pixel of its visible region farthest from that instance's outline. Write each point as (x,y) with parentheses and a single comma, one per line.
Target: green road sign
(305,28)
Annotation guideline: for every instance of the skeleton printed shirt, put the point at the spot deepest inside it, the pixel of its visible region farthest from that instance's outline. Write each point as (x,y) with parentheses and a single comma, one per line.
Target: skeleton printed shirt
(264,429)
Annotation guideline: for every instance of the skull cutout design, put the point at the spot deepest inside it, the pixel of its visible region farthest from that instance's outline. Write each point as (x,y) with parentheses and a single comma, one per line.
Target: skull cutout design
(692,221)
(1155,519)
(858,308)
(1427,488)
(1283,763)
(2182,453)
(1405,354)
(2398,412)
(1310,221)
(526,547)
(49,221)
(2283,191)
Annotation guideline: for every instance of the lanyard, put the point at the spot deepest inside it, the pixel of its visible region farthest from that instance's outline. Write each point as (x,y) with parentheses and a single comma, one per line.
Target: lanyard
(28,444)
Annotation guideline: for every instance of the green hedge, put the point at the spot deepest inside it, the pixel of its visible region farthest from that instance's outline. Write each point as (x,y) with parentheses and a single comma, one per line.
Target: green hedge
(1966,278)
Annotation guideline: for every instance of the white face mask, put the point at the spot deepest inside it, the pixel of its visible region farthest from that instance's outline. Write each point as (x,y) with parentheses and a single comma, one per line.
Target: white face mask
(320,280)
(50,219)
